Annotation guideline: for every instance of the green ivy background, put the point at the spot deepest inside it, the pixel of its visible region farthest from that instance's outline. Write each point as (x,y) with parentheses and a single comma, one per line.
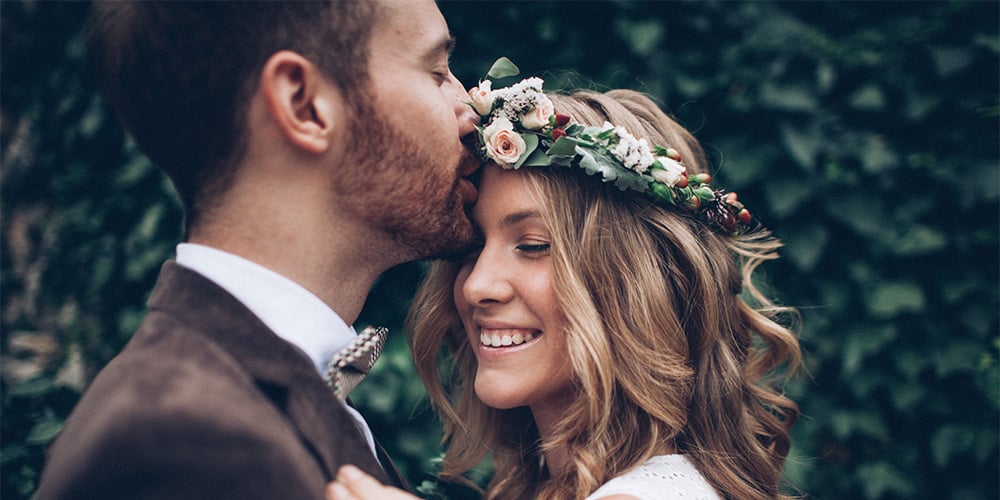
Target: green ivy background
(864,134)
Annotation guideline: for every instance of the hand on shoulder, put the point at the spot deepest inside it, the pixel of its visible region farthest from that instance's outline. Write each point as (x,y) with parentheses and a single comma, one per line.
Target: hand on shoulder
(353,484)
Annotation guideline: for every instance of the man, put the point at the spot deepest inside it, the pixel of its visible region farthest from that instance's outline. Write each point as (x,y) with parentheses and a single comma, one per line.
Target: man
(313,145)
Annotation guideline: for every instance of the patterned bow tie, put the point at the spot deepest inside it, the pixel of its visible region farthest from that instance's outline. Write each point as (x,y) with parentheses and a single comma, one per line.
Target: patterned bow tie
(348,367)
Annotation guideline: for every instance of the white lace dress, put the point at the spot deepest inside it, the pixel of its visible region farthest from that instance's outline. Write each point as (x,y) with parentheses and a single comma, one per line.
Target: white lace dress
(660,477)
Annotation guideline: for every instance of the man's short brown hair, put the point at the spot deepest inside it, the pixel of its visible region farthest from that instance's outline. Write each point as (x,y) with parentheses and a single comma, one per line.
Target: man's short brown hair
(179,74)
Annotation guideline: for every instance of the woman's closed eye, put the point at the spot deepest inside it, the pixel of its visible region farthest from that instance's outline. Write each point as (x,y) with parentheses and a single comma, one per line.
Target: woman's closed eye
(534,249)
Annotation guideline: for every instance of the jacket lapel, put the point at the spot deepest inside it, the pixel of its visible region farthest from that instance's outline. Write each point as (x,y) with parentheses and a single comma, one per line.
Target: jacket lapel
(395,476)
(280,370)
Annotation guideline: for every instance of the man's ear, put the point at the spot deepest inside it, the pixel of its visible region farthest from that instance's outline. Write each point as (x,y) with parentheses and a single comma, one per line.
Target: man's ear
(303,105)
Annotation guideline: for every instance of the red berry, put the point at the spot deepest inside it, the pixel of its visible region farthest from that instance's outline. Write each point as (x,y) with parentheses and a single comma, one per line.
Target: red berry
(557,133)
(561,119)
(744,216)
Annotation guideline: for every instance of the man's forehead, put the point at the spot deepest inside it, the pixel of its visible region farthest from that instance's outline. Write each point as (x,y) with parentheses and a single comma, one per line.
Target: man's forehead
(416,27)
(416,14)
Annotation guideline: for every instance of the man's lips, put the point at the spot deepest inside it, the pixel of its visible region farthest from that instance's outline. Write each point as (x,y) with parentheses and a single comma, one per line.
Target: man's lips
(467,170)
(469,192)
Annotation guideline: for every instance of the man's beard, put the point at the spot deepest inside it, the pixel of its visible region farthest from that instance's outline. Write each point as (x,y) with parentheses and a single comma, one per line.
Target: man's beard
(388,179)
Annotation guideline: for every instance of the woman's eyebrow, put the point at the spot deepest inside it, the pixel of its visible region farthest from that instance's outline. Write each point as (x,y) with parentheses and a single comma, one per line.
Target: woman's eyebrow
(516,217)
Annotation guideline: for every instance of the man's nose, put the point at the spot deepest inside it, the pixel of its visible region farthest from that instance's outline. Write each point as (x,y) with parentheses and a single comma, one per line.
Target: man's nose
(467,117)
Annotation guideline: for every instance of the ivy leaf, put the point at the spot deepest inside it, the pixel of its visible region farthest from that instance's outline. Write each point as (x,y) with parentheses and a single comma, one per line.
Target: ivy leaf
(34,387)
(882,478)
(805,245)
(890,299)
(45,430)
(802,145)
(502,68)
(427,488)
(786,194)
(920,240)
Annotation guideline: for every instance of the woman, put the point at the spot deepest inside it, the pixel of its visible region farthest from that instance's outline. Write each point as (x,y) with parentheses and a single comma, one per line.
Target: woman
(606,339)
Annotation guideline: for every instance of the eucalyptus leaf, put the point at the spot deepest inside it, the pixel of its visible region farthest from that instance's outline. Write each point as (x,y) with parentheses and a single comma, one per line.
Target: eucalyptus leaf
(563,146)
(633,181)
(537,159)
(591,165)
(503,68)
(530,145)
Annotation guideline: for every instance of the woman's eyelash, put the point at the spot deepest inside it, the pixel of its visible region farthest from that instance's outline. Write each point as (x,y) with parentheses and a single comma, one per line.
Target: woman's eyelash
(535,247)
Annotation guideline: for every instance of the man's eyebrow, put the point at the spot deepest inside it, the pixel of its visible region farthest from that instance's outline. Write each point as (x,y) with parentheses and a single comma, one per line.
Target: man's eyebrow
(449,44)
(444,46)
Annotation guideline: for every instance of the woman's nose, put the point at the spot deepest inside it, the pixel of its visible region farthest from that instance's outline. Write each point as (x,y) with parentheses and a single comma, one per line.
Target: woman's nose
(487,283)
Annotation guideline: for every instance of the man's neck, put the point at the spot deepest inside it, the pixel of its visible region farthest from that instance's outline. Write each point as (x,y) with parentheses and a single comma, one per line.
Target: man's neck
(336,269)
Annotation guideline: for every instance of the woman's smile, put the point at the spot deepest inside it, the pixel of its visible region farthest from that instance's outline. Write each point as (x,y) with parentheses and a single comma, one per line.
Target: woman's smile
(507,337)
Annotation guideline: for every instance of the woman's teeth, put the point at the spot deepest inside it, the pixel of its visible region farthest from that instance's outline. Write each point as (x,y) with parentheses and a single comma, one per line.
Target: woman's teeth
(503,339)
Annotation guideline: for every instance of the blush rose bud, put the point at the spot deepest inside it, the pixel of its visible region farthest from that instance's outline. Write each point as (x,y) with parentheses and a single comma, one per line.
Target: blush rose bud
(482,97)
(669,172)
(538,117)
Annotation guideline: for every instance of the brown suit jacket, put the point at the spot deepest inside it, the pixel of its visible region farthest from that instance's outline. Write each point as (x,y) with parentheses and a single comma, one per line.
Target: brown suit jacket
(205,402)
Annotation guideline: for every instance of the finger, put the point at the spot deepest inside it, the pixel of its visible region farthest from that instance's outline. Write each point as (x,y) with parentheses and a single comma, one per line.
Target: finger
(337,491)
(360,484)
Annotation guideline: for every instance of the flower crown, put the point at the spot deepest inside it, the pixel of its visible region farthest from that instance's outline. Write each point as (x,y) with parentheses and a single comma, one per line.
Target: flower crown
(522,129)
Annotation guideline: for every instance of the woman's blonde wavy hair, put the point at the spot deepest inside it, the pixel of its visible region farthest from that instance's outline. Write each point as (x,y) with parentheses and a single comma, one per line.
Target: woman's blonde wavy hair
(664,345)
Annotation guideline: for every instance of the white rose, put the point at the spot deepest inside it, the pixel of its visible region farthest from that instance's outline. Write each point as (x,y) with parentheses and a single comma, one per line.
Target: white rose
(503,145)
(672,174)
(538,117)
(482,97)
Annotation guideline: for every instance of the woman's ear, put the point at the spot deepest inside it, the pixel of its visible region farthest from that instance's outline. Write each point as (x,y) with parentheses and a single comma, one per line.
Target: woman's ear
(303,105)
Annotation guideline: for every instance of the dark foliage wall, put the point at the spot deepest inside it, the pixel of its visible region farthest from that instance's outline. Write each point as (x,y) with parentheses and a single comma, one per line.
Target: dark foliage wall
(866,135)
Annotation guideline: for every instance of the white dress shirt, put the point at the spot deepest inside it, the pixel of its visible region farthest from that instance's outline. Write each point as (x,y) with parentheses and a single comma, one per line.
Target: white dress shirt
(289,310)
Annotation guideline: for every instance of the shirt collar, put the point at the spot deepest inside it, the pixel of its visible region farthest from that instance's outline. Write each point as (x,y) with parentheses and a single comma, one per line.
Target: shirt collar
(289,310)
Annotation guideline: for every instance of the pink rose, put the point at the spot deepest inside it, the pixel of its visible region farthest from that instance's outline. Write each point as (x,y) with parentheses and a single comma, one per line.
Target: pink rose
(538,117)
(482,98)
(671,172)
(503,145)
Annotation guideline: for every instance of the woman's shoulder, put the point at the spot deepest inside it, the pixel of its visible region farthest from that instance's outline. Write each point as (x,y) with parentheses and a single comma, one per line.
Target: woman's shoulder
(662,476)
